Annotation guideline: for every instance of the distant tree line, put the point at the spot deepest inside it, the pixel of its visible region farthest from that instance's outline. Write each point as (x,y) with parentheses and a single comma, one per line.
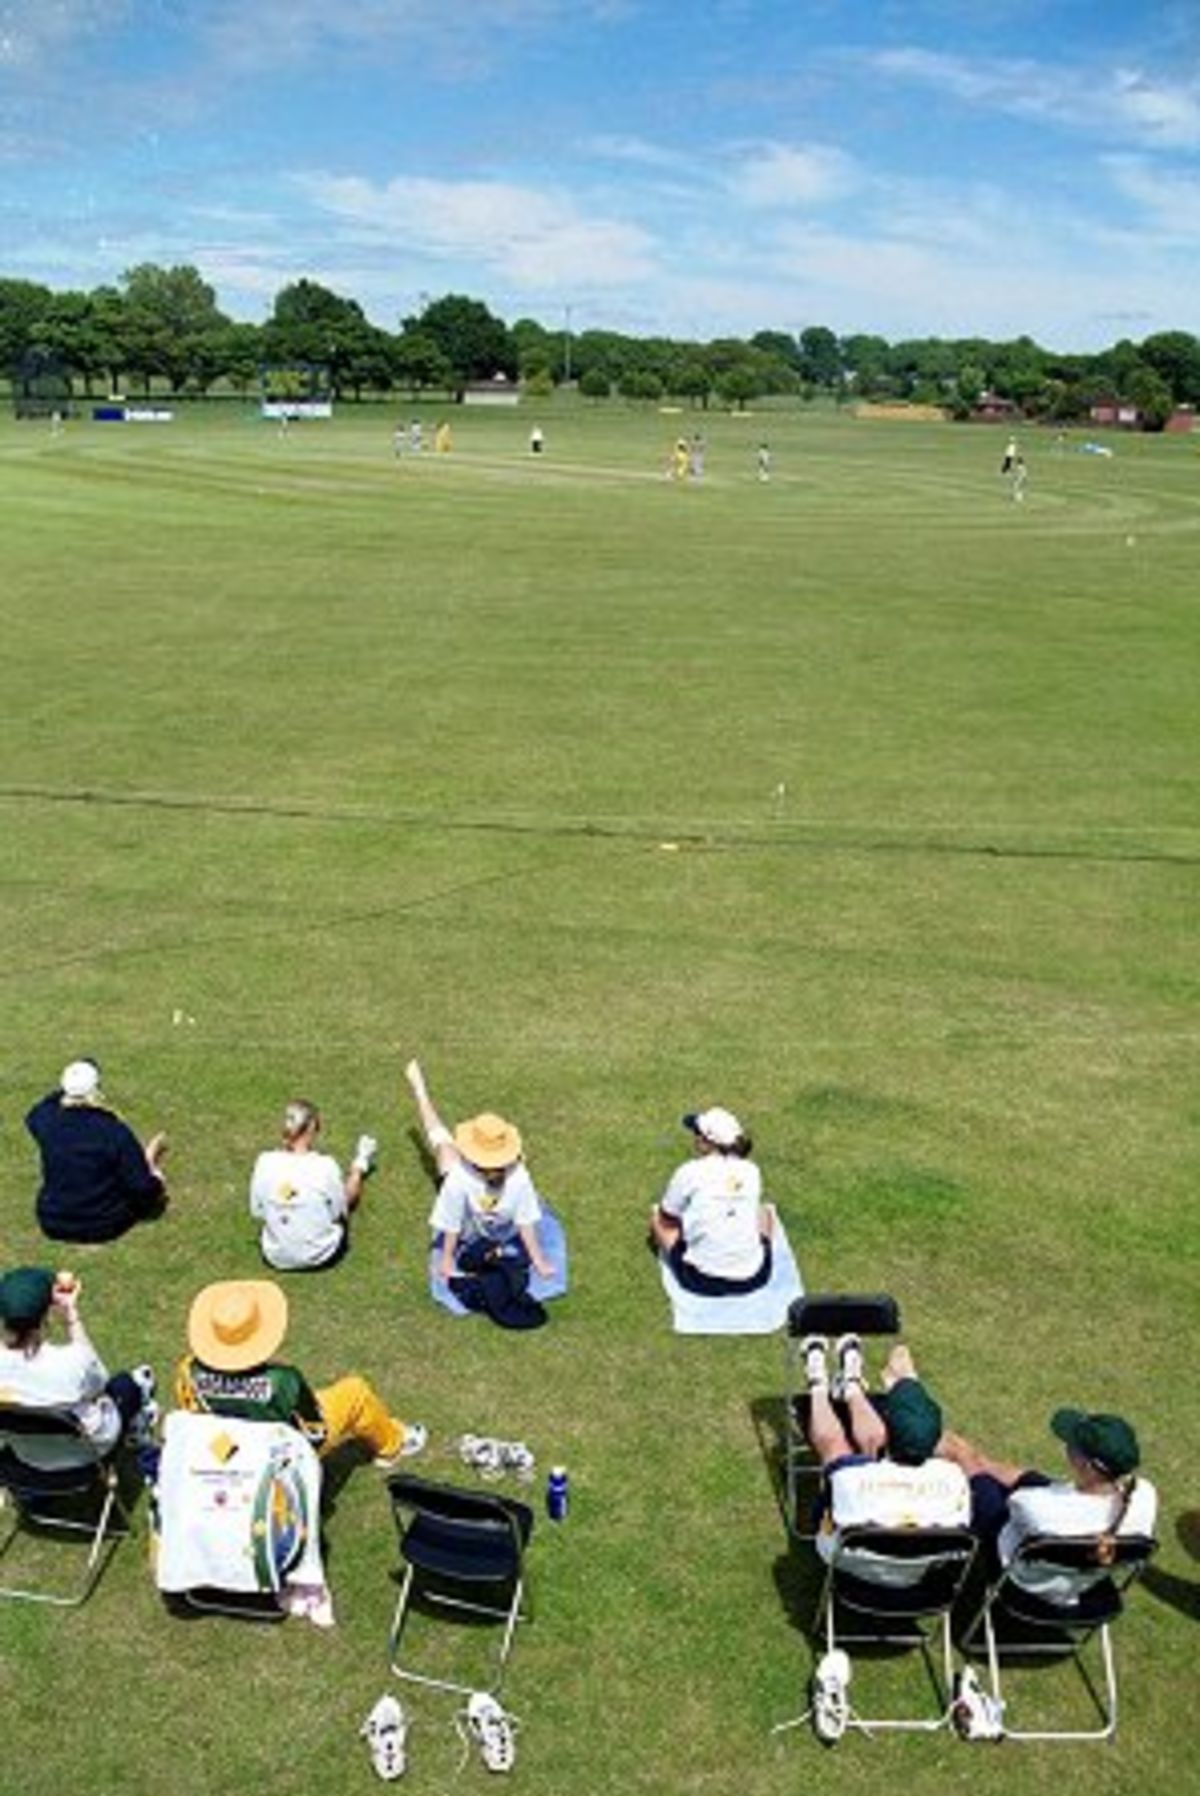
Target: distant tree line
(162,328)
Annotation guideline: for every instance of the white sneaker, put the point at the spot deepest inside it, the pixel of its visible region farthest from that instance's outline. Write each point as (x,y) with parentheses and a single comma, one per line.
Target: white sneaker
(412,1441)
(493,1731)
(365,1150)
(849,1355)
(519,1458)
(975,1714)
(815,1350)
(484,1453)
(147,1384)
(385,1730)
(830,1696)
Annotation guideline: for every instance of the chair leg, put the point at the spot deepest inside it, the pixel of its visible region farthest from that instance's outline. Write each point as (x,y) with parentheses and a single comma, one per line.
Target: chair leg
(1105,1702)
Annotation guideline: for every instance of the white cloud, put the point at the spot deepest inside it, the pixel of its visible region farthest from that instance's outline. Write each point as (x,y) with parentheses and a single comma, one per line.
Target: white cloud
(530,236)
(1121,101)
(1169,201)
(781,176)
(1167,115)
(33,32)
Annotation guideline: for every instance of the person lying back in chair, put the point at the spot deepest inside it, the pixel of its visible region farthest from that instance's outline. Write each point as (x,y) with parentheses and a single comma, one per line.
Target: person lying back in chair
(882,1467)
(234,1330)
(1102,1497)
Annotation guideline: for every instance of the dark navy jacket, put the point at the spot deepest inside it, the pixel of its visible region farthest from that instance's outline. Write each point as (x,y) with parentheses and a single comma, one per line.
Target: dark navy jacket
(95,1180)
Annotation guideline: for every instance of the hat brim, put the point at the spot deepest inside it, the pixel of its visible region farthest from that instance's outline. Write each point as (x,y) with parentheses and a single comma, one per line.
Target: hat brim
(1065,1424)
(492,1152)
(238,1356)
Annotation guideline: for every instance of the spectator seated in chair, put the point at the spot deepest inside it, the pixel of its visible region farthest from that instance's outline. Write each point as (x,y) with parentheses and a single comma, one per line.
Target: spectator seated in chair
(97,1178)
(39,1373)
(884,1466)
(234,1331)
(1102,1495)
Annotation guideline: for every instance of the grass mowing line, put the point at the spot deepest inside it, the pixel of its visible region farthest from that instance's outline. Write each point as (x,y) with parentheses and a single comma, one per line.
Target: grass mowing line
(694,835)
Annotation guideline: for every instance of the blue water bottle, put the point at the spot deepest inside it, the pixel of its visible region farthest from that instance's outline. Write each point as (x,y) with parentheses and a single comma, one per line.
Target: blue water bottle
(556,1493)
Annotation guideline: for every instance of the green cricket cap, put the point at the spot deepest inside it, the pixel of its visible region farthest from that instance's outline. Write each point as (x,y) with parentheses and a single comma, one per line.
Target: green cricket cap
(1106,1441)
(25,1295)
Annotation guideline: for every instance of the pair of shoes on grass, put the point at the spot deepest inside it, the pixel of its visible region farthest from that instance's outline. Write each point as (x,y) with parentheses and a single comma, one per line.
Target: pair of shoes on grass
(484,1724)
(492,1457)
(848,1356)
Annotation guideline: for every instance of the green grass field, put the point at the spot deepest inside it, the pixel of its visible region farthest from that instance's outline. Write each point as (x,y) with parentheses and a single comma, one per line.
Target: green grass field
(864,802)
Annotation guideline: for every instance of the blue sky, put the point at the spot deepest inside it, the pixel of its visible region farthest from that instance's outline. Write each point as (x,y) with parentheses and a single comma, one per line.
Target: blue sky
(700,169)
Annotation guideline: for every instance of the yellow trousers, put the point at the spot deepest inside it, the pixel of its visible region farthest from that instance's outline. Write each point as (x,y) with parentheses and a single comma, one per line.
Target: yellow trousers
(351,1410)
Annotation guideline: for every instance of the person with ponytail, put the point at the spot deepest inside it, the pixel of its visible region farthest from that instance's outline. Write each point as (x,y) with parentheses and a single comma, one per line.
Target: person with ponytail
(1102,1497)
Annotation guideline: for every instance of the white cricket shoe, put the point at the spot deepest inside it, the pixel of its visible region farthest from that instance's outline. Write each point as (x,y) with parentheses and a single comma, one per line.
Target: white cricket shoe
(493,1731)
(386,1730)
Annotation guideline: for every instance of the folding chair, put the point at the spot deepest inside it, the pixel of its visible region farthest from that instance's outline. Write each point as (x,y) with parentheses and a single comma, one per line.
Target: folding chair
(59,1496)
(452,1542)
(1048,1602)
(891,1587)
(823,1315)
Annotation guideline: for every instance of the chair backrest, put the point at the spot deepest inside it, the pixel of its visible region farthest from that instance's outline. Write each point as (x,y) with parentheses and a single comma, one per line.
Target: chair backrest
(1063,1569)
(475,1527)
(834,1313)
(928,1565)
(70,1461)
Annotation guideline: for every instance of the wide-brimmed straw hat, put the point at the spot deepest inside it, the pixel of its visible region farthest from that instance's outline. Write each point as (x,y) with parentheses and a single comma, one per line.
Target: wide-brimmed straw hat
(237,1324)
(488,1141)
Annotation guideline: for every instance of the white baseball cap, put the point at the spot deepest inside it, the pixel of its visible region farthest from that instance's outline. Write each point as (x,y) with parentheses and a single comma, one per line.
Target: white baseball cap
(80,1081)
(720,1127)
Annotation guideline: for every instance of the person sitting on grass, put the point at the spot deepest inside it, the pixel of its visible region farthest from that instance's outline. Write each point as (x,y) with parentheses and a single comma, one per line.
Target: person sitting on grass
(710,1224)
(485,1196)
(1102,1495)
(234,1330)
(37,1372)
(884,1466)
(300,1196)
(97,1179)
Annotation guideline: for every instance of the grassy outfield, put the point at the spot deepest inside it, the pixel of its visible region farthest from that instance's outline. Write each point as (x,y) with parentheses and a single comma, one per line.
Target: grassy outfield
(863,802)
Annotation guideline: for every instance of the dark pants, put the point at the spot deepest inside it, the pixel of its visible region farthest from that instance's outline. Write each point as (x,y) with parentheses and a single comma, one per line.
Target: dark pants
(706,1286)
(126,1393)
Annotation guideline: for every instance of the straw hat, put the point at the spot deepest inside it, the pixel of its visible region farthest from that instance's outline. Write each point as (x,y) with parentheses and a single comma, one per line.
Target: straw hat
(488,1141)
(237,1324)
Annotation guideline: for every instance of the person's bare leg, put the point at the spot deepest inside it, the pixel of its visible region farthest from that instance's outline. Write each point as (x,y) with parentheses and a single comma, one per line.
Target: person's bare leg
(866,1424)
(974,1463)
(438,1136)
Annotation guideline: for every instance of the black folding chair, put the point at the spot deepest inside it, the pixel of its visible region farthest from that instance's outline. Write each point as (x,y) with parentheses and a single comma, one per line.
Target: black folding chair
(825,1314)
(77,1494)
(456,1546)
(1053,1597)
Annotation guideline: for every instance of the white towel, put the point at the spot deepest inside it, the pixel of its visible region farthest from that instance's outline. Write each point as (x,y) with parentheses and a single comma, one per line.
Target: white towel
(240,1506)
(758,1312)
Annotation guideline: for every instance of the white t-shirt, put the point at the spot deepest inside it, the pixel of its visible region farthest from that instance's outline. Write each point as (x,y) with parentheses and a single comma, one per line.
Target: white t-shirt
(882,1494)
(467,1206)
(300,1200)
(715,1198)
(1061,1510)
(68,1375)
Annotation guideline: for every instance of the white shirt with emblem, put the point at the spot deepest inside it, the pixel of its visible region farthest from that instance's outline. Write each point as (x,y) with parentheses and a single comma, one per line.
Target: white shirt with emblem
(467,1206)
(715,1198)
(300,1199)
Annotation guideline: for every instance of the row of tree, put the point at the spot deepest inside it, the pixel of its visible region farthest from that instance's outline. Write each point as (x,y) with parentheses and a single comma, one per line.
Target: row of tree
(162,327)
